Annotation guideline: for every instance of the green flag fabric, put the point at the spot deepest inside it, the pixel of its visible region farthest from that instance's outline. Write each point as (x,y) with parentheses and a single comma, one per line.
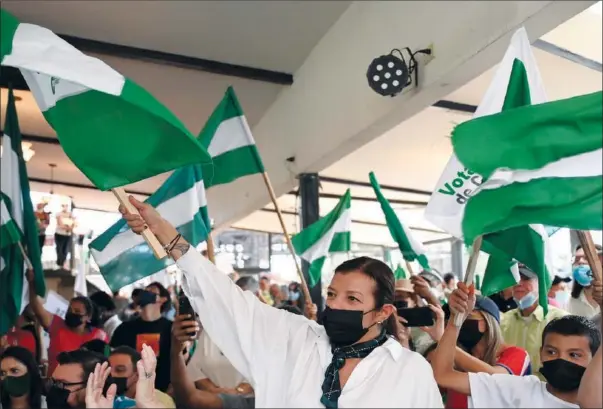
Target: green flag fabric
(124,257)
(229,141)
(400,273)
(411,249)
(112,129)
(547,167)
(17,199)
(10,233)
(330,234)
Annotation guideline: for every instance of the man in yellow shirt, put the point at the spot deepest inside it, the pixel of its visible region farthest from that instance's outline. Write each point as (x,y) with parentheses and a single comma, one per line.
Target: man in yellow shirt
(523,326)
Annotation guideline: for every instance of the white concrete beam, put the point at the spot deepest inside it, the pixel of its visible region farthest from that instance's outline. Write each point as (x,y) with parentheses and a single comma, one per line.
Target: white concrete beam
(330,111)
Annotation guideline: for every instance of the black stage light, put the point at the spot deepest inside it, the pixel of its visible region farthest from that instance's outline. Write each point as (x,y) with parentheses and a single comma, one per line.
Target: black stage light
(389,74)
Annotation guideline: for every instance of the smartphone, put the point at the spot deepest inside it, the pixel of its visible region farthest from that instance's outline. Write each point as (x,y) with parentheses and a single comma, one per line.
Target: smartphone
(417,317)
(185,308)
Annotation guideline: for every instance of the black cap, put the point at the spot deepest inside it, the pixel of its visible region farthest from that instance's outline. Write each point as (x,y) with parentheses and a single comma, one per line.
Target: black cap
(558,280)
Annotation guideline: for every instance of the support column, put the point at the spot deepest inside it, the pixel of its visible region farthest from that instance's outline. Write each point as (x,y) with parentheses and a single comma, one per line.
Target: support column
(456,254)
(309,213)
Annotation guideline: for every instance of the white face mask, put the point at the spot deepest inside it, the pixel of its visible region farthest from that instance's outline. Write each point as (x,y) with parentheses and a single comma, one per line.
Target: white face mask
(562,297)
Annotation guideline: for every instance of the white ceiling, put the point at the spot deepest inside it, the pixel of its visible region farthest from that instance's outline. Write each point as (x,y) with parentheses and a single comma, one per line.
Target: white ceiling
(274,35)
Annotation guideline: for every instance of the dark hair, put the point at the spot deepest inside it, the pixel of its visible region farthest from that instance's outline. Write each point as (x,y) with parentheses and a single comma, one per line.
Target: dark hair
(97,345)
(264,278)
(103,301)
(575,325)
(87,304)
(163,292)
(35,388)
(87,359)
(136,292)
(384,285)
(448,277)
(577,288)
(248,283)
(126,350)
(291,308)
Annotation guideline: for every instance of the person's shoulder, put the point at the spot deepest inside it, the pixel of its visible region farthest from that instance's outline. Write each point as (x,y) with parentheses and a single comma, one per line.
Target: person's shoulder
(165,399)
(555,312)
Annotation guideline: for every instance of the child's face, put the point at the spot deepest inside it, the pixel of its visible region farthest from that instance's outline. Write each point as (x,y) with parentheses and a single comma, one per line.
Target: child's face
(572,348)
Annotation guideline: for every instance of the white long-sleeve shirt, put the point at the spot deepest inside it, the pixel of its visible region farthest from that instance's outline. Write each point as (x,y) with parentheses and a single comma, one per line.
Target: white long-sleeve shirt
(284,356)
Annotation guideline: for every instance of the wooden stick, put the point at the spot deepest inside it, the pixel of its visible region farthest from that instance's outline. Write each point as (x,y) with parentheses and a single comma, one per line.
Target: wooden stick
(148,236)
(24,254)
(590,251)
(211,252)
(287,238)
(470,273)
(409,268)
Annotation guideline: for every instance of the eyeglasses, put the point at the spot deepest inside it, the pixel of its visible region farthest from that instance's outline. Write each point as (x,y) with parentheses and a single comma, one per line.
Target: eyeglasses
(50,382)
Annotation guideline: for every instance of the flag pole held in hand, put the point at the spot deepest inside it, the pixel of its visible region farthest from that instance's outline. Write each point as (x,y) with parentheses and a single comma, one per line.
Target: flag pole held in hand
(148,236)
(590,251)
(470,273)
(211,251)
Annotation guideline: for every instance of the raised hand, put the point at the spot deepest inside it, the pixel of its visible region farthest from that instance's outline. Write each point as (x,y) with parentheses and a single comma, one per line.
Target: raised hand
(145,387)
(182,327)
(311,311)
(462,300)
(94,389)
(148,218)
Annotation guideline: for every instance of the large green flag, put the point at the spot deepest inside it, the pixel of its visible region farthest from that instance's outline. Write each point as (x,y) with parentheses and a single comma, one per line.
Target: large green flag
(411,249)
(10,234)
(547,166)
(17,199)
(229,141)
(330,234)
(112,129)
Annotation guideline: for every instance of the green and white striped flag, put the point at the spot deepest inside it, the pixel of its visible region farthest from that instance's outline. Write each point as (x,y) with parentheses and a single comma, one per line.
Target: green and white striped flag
(411,248)
(112,129)
(330,234)
(517,83)
(547,167)
(16,194)
(124,257)
(229,141)
(10,233)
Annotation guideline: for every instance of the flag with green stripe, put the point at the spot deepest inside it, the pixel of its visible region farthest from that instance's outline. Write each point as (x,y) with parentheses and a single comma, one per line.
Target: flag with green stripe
(10,233)
(16,196)
(517,83)
(330,234)
(400,273)
(411,248)
(124,257)
(112,129)
(229,141)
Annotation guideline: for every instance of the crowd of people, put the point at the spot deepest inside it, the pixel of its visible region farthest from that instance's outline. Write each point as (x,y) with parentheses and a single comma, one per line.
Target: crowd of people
(246,343)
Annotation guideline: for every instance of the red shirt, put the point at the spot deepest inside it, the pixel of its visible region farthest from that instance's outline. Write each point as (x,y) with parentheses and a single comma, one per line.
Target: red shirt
(63,339)
(23,338)
(514,359)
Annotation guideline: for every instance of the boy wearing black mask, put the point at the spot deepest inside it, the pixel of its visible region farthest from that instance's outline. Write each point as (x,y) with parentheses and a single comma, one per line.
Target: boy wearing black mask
(568,345)
(150,328)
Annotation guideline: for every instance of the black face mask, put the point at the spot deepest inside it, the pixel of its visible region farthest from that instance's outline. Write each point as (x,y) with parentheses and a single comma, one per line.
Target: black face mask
(469,335)
(16,386)
(400,304)
(565,376)
(119,381)
(73,320)
(344,327)
(146,298)
(57,397)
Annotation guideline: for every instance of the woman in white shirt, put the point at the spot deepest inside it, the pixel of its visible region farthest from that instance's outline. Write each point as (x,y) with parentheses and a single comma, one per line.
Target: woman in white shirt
(582,301)
(351,361)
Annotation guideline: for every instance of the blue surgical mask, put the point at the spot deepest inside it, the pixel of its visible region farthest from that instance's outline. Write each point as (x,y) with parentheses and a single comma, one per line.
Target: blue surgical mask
(583,275)
(294,295)
(527,301)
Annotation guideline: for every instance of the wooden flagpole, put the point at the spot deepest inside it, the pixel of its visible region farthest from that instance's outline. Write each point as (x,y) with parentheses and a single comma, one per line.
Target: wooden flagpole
(148,236)
(470,272)
(24,254)
(590,251)
(409,268)
(211,252)
(286,234)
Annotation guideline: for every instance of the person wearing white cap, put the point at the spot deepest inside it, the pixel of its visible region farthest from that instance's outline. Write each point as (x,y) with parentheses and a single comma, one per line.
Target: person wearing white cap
(523,326)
